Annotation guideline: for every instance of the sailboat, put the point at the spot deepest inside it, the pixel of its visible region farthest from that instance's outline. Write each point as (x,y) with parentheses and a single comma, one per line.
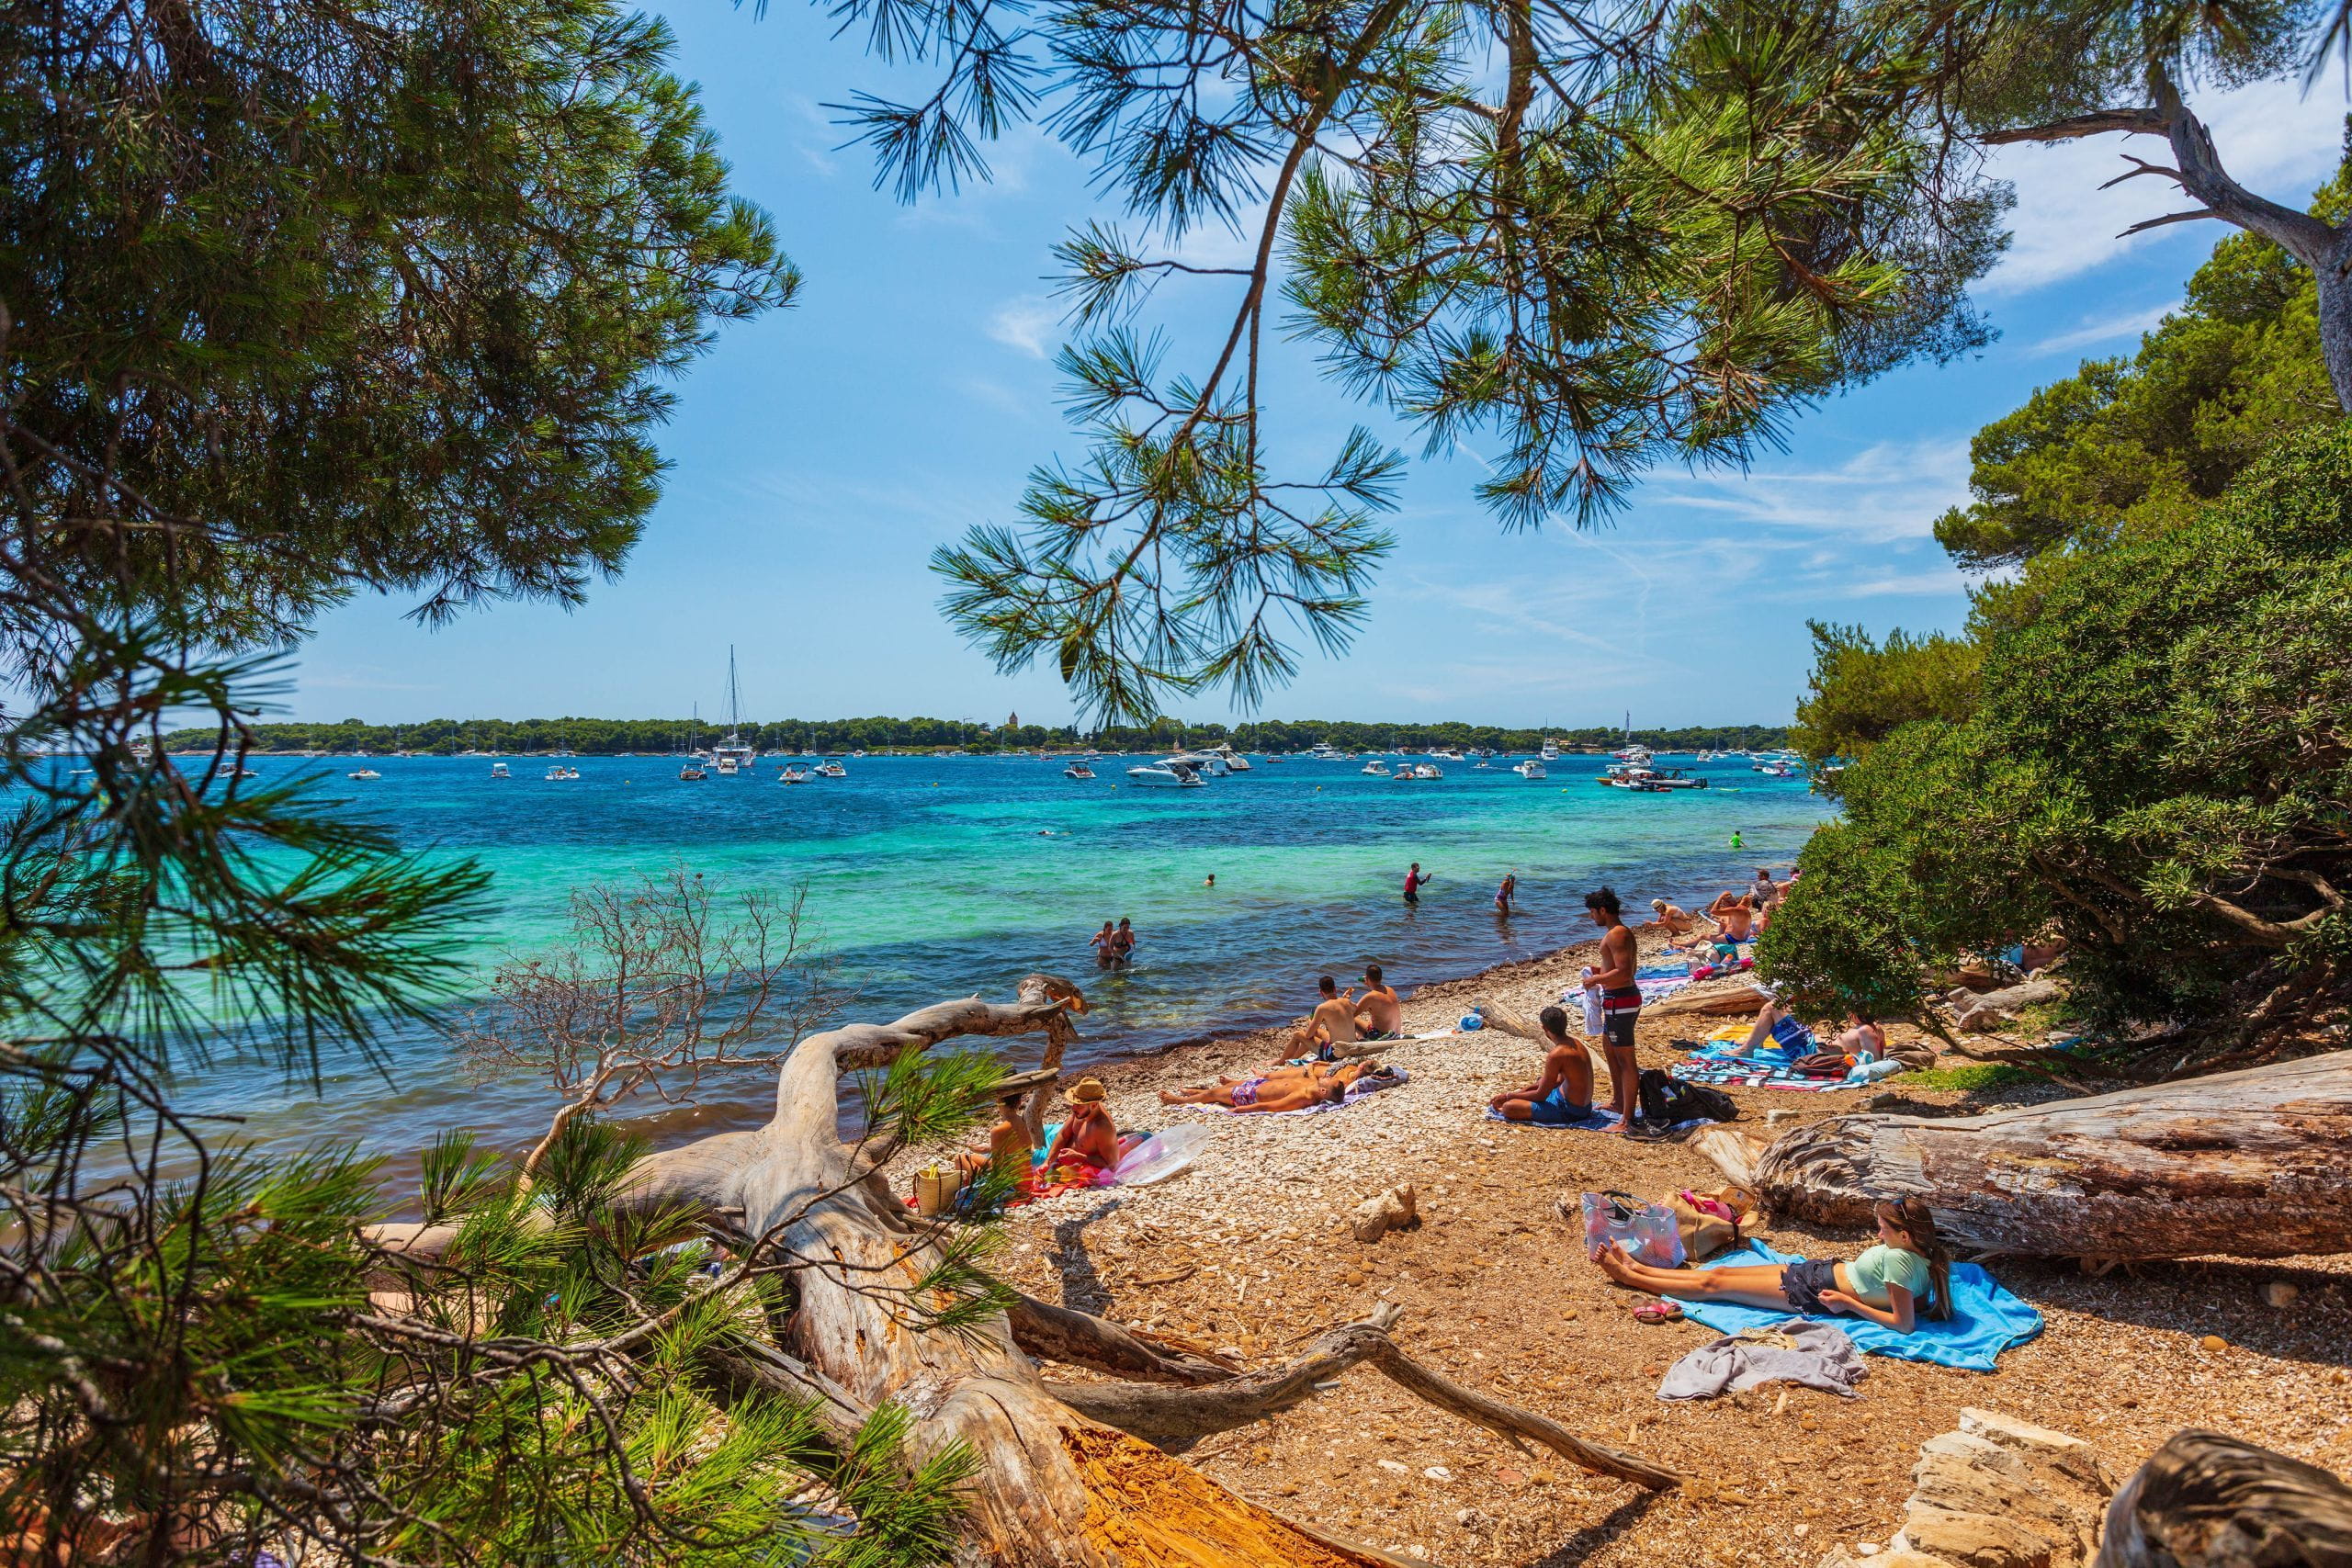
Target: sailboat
(732,756)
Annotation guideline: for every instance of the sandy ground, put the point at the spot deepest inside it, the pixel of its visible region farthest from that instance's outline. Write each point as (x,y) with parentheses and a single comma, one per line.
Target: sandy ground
(1249,1250)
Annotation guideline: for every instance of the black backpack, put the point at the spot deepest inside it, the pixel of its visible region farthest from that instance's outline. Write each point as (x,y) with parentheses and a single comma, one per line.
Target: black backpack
(1667,1099)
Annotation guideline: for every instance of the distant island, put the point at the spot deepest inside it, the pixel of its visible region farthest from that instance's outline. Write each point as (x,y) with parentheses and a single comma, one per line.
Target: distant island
(607,736)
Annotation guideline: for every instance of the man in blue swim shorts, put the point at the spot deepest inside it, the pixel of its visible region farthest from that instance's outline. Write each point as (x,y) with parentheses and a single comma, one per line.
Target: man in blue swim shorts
(1563,1094)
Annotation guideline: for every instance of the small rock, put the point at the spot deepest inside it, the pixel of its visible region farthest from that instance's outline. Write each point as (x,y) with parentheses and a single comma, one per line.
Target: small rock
(1866,1549)
(1437,1473)
(2213,1342)
(1510,1477)
(2280,1293)
(1776,1115)
(1400,1468)
(1802,1531)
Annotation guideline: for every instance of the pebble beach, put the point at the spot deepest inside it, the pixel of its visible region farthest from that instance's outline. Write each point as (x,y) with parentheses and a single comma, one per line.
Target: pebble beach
(1249,1252)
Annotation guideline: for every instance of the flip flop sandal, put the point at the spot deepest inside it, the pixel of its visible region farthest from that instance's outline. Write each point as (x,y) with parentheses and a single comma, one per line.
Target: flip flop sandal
(1658,1312)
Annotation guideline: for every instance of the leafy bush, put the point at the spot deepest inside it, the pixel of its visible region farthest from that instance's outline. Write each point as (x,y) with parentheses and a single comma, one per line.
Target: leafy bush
(2158,765)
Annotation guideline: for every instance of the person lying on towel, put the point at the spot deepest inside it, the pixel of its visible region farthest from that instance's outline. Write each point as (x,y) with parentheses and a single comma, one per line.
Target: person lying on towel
(1564,1093)
(1906,1276)
(1277,1088)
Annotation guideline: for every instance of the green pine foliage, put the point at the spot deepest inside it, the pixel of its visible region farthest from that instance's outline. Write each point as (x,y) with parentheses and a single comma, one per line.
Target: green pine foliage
(2137,444)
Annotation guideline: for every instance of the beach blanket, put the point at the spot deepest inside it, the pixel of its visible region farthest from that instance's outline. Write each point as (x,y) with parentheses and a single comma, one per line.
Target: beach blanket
(1660,981)
(1795,1349)
(1723,1060)
(1986,1319)
(1595,1119)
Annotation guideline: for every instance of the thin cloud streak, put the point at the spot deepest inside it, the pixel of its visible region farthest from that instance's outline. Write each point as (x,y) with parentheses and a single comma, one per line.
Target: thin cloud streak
(2109,329)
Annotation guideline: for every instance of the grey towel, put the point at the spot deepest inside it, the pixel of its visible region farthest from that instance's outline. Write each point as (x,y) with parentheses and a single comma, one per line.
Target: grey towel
(1824,1358)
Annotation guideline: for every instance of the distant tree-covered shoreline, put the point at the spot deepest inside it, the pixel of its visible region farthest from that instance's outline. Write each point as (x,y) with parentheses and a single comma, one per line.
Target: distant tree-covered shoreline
(605,736)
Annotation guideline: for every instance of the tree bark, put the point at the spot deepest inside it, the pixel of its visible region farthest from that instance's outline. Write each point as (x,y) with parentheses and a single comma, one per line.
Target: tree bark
(2207,1500)
(1054,1487)
(2324,248)
(2253,1163)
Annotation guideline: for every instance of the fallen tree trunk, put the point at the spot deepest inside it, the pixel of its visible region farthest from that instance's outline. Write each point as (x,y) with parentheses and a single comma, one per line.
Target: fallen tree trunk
(1053,1487)
(2253,1164)
(2208,1500)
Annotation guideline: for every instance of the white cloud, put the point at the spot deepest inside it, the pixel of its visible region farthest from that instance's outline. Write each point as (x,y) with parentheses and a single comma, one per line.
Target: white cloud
(1888,491)
(1905,584)
(1029,324)
(2106,329)
(2272,138)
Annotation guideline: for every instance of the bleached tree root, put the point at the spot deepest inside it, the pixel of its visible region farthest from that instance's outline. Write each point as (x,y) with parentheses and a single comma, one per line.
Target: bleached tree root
(1058,1486)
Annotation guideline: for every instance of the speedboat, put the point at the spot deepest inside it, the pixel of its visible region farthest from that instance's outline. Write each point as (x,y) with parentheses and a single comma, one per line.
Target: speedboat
(363,773)
(1446,754)
(1675,778)
(692,774)
(1428,770)
(1078,770)
(1324,752)
(727,765)
(1235,762)
(1377,768)
(560,773)
(1181,775)
(1480,767)
(831,771)
(793,775)
(498,770)
(1531,769)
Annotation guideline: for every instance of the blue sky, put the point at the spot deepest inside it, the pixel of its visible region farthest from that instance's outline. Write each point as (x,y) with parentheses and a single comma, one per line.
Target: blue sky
(823,452)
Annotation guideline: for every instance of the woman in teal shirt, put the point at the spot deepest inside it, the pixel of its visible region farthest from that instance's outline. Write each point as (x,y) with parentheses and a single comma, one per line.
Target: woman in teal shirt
(1906,1276)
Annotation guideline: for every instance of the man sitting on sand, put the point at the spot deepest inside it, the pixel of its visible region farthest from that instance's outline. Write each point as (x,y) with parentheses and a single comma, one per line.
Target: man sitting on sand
(1009,1148)
(1088,1139)
(1563,1094)
(1735,913)
(1380,1013)
(1333,1022)
(1278,1090)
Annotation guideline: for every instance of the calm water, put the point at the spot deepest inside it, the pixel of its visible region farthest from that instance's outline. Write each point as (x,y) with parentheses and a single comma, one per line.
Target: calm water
(937,877)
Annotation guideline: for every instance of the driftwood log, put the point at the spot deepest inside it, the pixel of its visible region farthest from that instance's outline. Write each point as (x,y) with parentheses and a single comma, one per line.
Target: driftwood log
(2208,1500)
(2253,1163)
(1067,1478)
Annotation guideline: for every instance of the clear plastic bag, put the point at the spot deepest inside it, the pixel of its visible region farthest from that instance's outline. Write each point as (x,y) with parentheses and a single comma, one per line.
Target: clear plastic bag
(1649,1230)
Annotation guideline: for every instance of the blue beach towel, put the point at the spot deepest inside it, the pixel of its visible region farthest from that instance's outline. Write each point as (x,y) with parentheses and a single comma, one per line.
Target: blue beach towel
(1595,1119)
(1985,1319)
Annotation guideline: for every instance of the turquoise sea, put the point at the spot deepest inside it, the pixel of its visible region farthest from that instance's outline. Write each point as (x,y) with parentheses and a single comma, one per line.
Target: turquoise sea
(933,877)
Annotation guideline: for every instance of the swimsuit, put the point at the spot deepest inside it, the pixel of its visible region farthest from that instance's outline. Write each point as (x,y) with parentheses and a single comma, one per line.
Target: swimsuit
(1555,1111)
(1245,1093)
(1620,1006)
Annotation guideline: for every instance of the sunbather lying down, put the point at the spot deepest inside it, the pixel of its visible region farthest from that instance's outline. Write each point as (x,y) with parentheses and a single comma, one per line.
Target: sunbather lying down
(1906,1276)
(1278,1089)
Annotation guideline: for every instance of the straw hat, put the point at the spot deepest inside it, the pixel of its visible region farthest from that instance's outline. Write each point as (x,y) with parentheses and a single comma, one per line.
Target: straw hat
(1086,1091)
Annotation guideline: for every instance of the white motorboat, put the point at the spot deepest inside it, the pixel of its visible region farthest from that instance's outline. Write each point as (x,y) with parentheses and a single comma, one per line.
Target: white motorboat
(1078,770)
(1550,753)
(1531,769)
(692,774)
(793,775)
(1447,754)
(558,774)
(1377,768)
(726,764)
(363,773)
(1324,752)
(1235,762)
(1181,775)
(1480,767)
(1428,770)
(830,770)
(498,770)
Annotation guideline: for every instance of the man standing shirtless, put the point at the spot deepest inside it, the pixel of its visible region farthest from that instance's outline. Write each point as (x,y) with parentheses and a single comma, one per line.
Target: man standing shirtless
(1379,1012)
(1621,1004)
(1333,1022)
